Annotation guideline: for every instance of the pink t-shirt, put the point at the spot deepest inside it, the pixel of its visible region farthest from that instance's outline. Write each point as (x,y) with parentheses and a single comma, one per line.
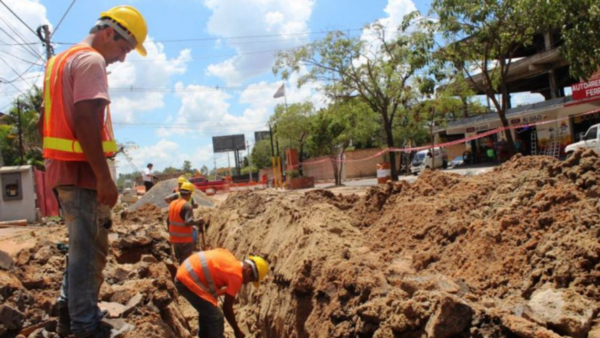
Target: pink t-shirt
(84,79)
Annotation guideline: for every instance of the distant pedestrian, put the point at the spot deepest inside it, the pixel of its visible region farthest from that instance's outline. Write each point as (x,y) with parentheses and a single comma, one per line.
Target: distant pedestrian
(148,177)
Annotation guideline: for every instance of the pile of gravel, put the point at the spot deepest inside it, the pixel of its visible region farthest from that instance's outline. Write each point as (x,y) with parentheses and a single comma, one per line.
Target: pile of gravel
(157,195)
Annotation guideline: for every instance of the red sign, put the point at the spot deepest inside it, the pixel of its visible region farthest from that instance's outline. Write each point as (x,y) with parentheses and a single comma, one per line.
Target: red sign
(586,90)
(470,130)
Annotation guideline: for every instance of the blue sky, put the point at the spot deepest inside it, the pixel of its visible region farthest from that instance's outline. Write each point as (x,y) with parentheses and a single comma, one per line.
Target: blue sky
(217,81)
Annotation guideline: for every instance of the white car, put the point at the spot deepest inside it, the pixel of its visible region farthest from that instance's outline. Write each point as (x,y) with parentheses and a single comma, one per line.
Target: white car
(591,140)
(423,160)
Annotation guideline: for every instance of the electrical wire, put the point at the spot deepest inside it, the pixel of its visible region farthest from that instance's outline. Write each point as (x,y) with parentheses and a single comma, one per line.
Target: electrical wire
(15,14)
(61,19)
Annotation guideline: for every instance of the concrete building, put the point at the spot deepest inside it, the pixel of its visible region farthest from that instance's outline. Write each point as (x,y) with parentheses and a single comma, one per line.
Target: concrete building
(561,119)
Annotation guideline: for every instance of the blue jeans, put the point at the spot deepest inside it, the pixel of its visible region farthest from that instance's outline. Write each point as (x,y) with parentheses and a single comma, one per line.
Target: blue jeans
(88,247)
(210,318)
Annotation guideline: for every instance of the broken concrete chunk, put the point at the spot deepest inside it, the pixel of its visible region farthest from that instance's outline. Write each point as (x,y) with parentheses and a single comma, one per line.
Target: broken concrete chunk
(9,283)
(564,311)
(526,329)
(6,262)
(451,318)
(43,255)
(11,318)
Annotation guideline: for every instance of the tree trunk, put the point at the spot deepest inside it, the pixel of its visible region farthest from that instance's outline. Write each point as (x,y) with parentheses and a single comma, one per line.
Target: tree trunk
(300,158)
(390,144)
(340,167)
(334,164)
(502,115)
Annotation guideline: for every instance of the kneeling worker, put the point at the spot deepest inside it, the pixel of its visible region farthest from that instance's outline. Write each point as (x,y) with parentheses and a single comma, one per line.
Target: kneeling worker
(206,275)
(181,223)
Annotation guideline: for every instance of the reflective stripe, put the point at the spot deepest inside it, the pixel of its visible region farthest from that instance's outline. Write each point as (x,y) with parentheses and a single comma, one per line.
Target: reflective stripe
(176,234)
(72,146)
(181,224)
(192,273)
(207,275)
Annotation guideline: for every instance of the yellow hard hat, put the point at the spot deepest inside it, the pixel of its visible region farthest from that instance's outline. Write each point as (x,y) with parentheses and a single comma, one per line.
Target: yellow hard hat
(182,179)
(133,22)
(188,186)
(262,268)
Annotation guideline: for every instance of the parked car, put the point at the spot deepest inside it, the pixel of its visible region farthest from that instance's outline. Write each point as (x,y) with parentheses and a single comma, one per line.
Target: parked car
(458,160)
(424,160)
(591,140)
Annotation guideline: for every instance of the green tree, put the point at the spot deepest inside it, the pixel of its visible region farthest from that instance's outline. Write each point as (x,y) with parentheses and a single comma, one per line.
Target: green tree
(187,166)
(484,37)
(378,72)
(339,125)
(292,126)
(261,154)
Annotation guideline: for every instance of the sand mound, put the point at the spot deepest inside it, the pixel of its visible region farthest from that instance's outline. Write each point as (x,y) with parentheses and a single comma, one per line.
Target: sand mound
(156,196)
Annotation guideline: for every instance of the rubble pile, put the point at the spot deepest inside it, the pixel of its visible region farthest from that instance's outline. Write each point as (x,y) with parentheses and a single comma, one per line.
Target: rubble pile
(511,253)
(138,292)
(156,196)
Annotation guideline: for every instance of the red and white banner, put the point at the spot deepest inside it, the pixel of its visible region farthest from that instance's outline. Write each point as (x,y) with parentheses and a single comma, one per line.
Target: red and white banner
(586,90)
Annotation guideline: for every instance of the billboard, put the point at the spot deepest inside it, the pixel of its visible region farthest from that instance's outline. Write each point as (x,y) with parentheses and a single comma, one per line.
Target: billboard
(223,144)
(261,135)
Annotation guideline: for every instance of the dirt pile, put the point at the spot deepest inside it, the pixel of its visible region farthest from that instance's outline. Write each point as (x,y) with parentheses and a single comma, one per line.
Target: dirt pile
(511,253)
(156,196)
(138,289)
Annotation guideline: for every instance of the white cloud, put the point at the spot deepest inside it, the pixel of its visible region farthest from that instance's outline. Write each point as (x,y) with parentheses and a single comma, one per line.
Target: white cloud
(233,18)
(20,57)
(138,84)
(396,10)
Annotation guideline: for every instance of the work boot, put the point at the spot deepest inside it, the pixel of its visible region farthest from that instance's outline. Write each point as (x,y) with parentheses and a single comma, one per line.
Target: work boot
(103,330)
(64,319)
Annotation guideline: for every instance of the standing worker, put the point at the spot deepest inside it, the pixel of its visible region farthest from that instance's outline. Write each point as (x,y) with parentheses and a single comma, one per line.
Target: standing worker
(181,223)
(206,275)
(148,177)
(78,138)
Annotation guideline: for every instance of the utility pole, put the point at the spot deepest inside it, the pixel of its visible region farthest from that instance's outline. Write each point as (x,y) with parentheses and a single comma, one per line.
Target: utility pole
(249,160)
(215,158)
(229,164)
(20,131)
(43,33)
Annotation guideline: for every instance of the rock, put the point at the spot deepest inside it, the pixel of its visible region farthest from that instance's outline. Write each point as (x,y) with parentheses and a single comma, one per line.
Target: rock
(35,280)
(23,257)
(451,318)
(595,332)
(49,325)
(149,259)
(9,283)
(175,320)
(526,329)
(133,242)
(119,327)
(43,255)
(11,318)
(161,299)
(134,302)
(6,262)
(564,311)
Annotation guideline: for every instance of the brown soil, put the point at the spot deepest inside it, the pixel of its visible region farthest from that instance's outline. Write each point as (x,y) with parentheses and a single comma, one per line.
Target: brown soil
(449,256)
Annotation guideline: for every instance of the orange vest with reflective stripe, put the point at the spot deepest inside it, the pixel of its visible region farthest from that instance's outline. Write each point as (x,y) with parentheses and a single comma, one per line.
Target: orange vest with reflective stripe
(59,141)
(178,232)
(202,273)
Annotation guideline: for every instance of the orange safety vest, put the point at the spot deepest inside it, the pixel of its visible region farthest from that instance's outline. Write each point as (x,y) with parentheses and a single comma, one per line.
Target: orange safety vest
(178,231)
(59,141)
(198,273)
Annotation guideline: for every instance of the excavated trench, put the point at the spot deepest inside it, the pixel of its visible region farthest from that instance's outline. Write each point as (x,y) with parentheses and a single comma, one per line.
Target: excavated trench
(449,256)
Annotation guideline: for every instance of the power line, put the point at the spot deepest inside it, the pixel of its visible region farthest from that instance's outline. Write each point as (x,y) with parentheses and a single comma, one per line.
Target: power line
(18,58)
(27,47)
(15,14)
(61,19)
(9,66)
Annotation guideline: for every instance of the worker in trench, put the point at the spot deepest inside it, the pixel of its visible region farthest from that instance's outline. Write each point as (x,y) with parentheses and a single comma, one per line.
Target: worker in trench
(77,140)
(207,275)
(182,224)
(176,195)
